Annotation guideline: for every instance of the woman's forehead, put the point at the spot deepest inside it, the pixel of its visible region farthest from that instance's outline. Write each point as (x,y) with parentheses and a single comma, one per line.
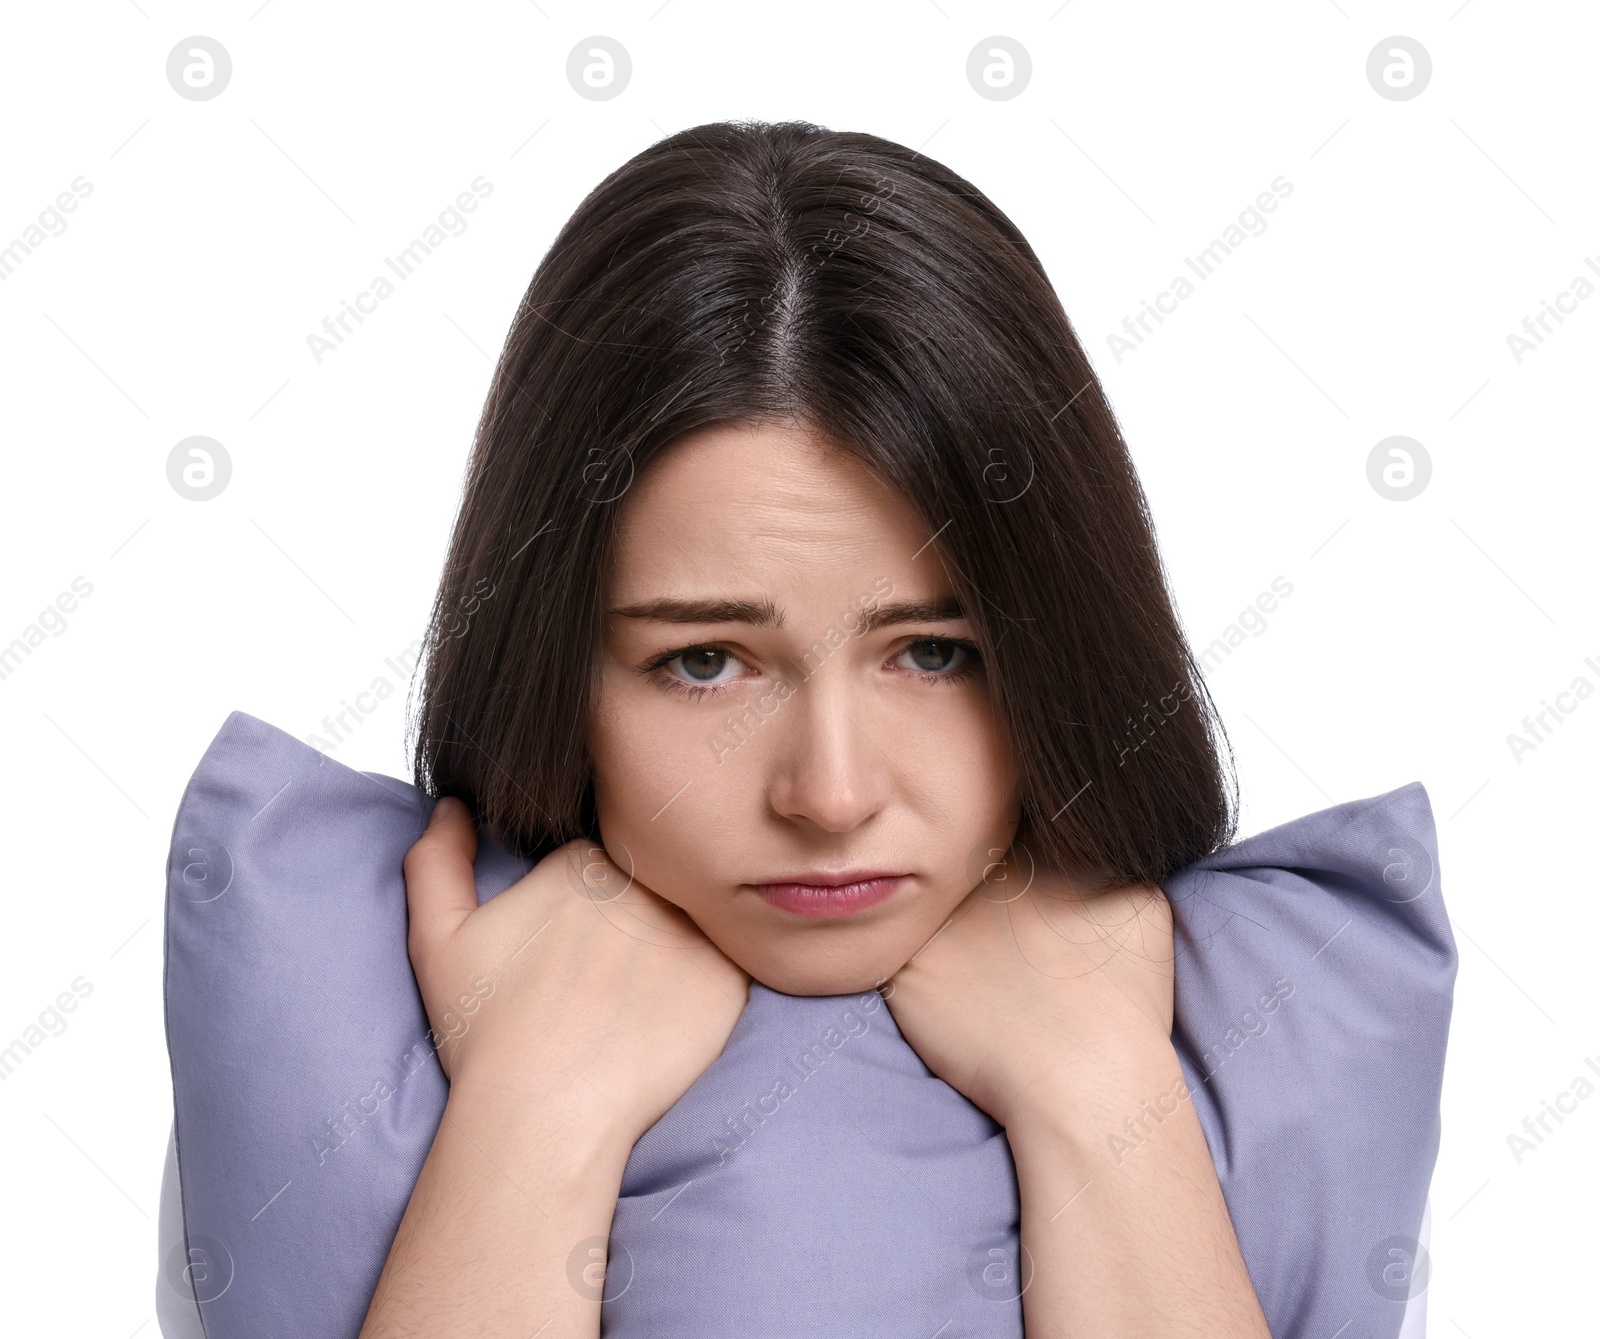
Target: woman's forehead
(769,506)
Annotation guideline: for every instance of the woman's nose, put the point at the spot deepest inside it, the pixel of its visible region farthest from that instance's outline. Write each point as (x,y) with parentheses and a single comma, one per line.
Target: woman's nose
(826,767)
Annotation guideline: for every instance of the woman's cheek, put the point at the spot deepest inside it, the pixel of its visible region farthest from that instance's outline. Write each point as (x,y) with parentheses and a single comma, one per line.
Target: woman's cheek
(656,790)
(982,802)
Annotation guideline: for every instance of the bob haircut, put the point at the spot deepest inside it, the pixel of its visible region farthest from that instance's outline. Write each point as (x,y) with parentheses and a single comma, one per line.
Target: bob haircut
(741,272)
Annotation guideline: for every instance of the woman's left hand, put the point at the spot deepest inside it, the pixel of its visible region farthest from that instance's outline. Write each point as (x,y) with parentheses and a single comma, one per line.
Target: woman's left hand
(1032,987)
(1052,1011)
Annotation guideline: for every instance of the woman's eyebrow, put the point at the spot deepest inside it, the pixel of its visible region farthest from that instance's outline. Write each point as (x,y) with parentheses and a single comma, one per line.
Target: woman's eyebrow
(665,609)
(764,614)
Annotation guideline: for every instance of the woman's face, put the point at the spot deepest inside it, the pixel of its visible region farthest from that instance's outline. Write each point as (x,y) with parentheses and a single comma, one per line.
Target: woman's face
(794,740)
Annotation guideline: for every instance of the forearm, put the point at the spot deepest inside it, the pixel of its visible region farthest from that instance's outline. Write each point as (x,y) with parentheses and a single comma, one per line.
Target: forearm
(509,1190)
(1130,1238)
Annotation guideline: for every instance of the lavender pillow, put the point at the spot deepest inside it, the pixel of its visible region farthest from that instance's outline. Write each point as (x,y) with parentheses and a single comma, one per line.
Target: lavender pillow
(817,1178)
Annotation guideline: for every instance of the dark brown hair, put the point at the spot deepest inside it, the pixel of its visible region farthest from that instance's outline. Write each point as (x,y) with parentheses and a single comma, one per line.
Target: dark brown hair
(744,272)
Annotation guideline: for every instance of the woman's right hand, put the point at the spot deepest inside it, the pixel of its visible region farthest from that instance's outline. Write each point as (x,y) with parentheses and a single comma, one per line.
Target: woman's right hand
(577,987)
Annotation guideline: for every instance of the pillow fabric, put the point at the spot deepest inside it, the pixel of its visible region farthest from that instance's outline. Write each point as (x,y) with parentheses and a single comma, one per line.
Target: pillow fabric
(817,1178)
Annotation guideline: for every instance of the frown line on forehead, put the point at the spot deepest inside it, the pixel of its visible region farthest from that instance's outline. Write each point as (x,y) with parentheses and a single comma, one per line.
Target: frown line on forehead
(763,613)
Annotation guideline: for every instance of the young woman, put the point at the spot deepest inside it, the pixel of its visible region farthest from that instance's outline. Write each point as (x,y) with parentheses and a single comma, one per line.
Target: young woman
(801,575)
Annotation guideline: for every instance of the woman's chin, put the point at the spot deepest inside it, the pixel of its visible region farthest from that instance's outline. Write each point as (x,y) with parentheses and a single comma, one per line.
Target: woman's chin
(818,978)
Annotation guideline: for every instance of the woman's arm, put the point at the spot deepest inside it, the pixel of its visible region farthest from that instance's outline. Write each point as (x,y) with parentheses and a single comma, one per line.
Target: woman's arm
(1122,1213)
(1052,1011)
(588,1006)
(510,1190)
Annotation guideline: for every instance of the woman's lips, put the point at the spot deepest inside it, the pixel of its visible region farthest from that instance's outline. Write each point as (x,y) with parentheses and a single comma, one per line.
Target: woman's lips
(818,900)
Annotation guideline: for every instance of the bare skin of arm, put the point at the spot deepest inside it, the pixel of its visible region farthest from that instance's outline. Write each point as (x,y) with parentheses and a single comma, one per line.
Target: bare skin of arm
(1052,1011)
(509,1190)
(595,1006)
(1140,1247)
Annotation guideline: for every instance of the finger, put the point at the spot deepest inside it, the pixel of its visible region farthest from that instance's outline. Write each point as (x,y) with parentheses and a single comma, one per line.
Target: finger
(440,889)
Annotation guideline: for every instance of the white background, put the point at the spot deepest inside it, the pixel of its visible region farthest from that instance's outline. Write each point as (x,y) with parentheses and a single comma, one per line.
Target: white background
(219,233)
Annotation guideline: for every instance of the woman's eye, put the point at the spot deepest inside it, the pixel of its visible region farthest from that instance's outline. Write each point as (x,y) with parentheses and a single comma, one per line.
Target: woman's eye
(937,655)
(704,664)
(700,667)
